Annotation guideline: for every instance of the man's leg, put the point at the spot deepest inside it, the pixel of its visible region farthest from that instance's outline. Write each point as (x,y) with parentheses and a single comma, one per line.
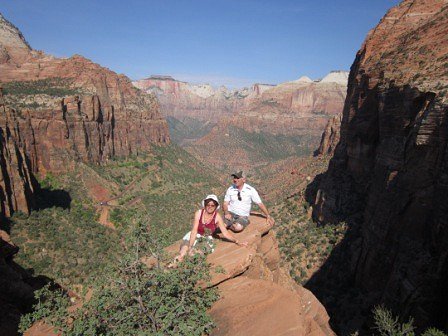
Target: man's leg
(237,223)
(237,227)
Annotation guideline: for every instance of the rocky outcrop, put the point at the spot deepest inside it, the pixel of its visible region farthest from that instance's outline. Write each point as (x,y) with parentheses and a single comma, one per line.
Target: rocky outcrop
(70,109)
(330,136)
(389,174)
(258,297)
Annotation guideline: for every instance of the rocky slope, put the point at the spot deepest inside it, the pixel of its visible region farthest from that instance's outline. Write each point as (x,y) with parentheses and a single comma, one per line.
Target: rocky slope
(257,296)
(388,177)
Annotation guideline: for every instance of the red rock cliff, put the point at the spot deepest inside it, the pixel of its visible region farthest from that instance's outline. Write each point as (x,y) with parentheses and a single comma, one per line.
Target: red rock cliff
(389,174)
(73,109)
(16,187)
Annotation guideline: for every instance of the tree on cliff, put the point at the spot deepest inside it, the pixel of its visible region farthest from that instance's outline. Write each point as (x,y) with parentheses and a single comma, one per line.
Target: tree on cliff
(388,325)
(132,299)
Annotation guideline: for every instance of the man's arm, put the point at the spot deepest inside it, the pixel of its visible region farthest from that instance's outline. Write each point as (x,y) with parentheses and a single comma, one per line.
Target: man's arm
(266,213)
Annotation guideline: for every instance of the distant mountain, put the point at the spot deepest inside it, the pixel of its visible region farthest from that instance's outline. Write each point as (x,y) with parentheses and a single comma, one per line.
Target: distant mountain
(261,123)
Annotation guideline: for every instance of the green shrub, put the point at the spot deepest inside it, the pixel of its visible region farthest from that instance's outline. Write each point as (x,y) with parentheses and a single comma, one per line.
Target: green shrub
(132,299)
(388,325)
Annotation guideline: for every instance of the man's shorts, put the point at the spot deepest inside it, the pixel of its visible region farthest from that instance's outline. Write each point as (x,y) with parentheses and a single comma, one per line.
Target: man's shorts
(243,220)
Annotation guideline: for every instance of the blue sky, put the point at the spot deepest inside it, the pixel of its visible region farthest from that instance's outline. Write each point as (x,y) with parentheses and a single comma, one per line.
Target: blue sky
(235,43)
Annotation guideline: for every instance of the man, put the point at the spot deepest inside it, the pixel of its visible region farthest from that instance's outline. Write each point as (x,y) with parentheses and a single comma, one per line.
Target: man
(238,201)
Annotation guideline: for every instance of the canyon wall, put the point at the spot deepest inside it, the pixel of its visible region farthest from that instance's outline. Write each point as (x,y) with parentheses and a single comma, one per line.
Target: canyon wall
(389,174)
(16,187)
(57,111)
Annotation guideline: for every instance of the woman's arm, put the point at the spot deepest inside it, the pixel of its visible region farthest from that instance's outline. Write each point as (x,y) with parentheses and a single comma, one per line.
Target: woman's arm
(194,229)
(226,233)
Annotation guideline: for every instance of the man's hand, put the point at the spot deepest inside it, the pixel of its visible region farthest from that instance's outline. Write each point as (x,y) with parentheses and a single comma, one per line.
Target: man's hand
(242,243)
(270,220)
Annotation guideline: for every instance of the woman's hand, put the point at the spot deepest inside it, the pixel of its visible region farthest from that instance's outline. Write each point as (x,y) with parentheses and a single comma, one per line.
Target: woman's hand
(242,243)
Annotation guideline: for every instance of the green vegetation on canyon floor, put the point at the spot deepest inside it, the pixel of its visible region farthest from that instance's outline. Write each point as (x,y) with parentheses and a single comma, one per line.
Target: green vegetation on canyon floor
(166,187)
(185,129)
(66,243)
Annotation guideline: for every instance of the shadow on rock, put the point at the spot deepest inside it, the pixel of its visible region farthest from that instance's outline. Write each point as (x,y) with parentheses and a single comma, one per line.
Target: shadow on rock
(17,287)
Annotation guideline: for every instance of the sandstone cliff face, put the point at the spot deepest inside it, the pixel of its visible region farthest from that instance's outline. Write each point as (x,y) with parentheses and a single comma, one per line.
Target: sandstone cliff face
(13,46)
(389,172)
(16,187)
(73,109)
(293,108)
(330,136)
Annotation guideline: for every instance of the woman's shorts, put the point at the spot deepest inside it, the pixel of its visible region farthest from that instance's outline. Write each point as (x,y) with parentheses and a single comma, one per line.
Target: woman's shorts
(208,240)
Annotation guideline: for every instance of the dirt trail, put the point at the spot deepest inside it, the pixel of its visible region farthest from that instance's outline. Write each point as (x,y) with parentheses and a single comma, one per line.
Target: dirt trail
(104,217)
(107,203)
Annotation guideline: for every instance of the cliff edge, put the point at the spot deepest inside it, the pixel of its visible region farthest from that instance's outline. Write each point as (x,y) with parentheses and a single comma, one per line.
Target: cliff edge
(258,297)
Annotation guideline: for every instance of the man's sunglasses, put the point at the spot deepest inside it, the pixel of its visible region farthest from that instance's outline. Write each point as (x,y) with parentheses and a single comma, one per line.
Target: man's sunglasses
(239,196)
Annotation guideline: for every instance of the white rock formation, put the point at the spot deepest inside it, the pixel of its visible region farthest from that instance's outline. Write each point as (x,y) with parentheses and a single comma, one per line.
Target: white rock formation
(339,77)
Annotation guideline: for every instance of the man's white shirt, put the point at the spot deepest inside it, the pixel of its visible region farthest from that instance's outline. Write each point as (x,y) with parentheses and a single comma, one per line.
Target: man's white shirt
(248,195)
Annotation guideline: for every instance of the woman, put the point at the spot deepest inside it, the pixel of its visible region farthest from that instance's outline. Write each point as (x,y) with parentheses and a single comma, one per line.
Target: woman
(206,222)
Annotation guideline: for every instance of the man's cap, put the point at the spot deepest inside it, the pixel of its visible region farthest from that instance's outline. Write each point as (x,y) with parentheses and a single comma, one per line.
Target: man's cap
(239,174)
(211,197)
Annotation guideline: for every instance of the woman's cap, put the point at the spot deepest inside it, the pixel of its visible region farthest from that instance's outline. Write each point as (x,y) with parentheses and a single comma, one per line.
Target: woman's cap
(211,197)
